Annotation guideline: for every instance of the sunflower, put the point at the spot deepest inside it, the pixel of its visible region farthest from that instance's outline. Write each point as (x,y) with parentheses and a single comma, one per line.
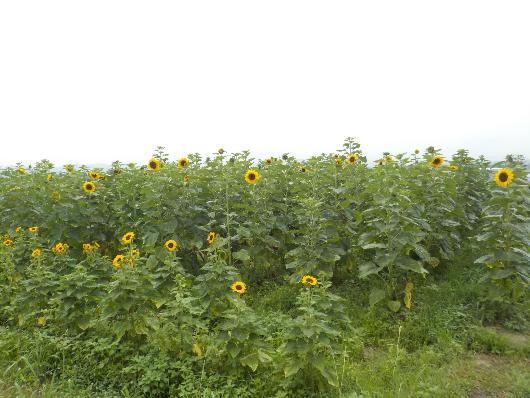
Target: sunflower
(220,151)
(18,230)
(60,248)
(154,164)
(504,177)
(211,238)
(87,248)
(239,287)
(309,280)
(22,170)
(171,245)
(94,175)
(437,161)
(269,161)
(352,158)
(252,176)
(118,260)
(183,162)
(186,179)
(50,177)
(338,161)
(453,167)
(303,169)
(33,230)
(135,253)
(36,253)
(89,187)
(69,168)
(127,238)
(8,242)
(416,151)
(55,196)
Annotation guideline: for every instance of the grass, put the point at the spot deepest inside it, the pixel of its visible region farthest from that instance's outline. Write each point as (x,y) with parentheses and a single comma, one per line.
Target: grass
(440,348)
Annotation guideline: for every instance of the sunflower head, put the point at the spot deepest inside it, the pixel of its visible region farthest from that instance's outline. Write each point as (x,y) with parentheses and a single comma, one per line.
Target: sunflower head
(183,162)
(18,230)
(170,245)
(21,170)
(416,151)
(94,175)
(453,167)
(36,253)
(504,177)
(69,168)
(55,196)
(309,280)
(186,179)
(60,248)
(33,230)
(118,260)
(338,160)
(239,287)
(154,164)
(352,158)
(87,248)
(50,177)
(89,187)
(252,176)
(269,161)
(135,253)
(437,161)
(211,237)
(8,242)
(303,169)
(127,238)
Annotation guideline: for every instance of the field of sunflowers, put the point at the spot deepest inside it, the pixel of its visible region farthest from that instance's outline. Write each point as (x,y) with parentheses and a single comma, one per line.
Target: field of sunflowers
(228,276)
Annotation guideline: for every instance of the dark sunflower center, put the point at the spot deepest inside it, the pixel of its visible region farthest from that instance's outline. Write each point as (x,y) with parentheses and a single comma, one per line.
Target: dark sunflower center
(239,287)
(89,187)
(170,245)
(183,163)
(251,176)
(152,165)
(503,177)
(436,160)
(303,170)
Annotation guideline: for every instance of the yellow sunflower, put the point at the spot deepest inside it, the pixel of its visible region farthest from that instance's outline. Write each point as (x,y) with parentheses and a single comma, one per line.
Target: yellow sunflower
(8,242)
(239,287)
(60,248)
(338,161)
(154,164)
(211,238)
(94,175)
(87,248)
(183,162)
(127,238)
(69,168)
(504,177)
(186,179)
(89,187)
(309,280)
(453,167)
(352,158)
(36,253)
(55,196)
(118,260)
(33,230)
(252,176)
(18,230)
(437,161)
(50,177)
(171,245)
(22,170)
(135,253)
(269,161)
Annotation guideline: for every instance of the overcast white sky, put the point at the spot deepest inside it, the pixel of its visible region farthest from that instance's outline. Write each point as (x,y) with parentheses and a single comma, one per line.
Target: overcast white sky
(96,81)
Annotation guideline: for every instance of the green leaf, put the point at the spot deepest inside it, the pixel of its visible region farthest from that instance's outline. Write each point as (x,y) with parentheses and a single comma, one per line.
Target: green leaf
(484,259)
(291,369)
(376,295)
(374,246)
(251,360)
(242,255)
(393,305)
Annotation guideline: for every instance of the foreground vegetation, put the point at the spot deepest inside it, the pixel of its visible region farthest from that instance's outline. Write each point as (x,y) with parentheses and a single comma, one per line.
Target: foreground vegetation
(230,277)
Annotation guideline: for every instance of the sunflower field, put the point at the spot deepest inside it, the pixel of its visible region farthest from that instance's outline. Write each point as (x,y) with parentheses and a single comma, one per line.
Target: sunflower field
(228,276)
